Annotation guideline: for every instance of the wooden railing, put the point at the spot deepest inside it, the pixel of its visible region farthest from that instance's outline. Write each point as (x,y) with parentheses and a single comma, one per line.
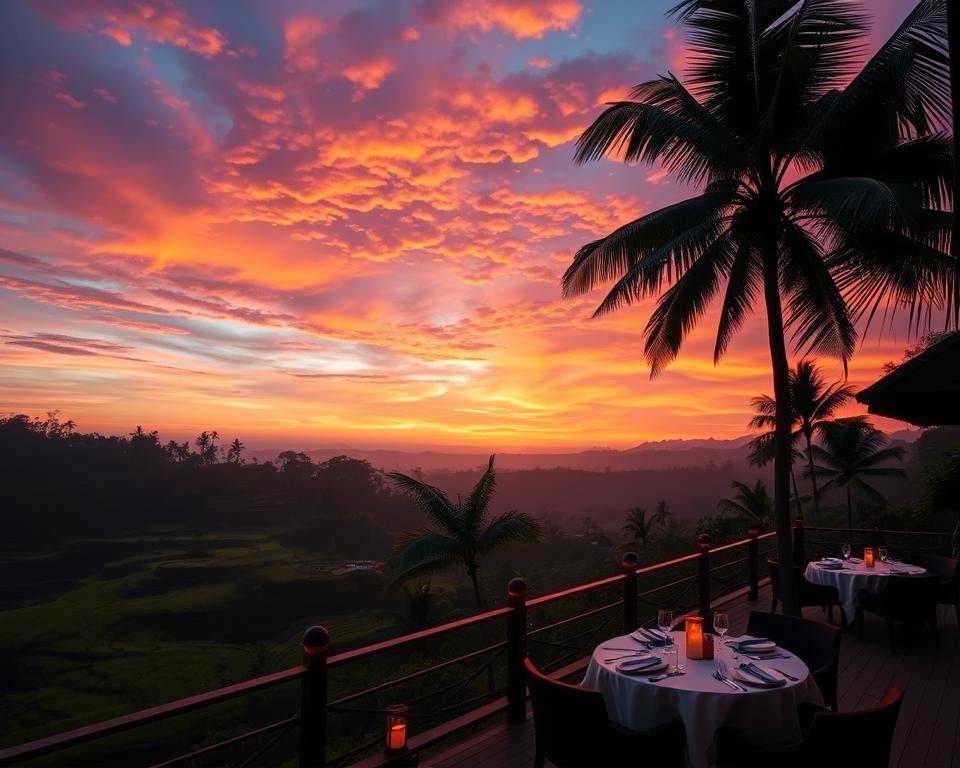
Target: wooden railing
(704,584)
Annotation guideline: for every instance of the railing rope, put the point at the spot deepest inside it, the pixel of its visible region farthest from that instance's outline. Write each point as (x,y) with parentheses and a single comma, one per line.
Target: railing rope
(753,563)
(313,698)
(516,651)
(703,543)
(629,563)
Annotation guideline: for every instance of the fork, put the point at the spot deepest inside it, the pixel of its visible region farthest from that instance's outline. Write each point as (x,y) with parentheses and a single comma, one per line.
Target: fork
(718,675)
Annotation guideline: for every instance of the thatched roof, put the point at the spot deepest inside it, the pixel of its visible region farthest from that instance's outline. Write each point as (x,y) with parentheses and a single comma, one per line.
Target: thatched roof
(924,391)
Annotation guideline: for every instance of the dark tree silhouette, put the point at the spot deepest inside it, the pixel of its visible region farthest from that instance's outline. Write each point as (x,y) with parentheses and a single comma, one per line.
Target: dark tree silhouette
(826,191)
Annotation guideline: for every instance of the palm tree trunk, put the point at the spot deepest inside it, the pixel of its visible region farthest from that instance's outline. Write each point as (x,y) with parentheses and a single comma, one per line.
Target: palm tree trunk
(849,508)
(813,483)
(782,437)
(484,628)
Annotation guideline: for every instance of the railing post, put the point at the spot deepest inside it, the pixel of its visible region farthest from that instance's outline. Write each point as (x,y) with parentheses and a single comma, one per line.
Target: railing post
(703,544)
(629,564)
(516,651)
(798,548)
(876,538)
(313,699)
(753,563)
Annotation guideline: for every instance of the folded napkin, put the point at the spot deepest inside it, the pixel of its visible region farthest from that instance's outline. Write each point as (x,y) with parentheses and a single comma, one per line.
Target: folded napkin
(645,635)
(855,560)
(760,673)
(830,565)
(746,643)
(639,665)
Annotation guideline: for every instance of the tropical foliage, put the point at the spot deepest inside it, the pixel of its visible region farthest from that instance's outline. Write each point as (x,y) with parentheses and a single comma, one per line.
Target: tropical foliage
(852,453)
(639,527)
(463,530)
(826,192)
(813,403)
(751,504)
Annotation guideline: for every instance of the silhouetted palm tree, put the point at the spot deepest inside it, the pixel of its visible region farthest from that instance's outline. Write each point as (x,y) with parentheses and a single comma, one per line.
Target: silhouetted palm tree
(851,453)
(826,192)
(813,403)
(662,513)
(639,527)
(753,504)
(463,532)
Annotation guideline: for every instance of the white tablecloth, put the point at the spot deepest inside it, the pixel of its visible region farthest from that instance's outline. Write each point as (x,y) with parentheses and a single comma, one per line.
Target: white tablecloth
(855,576)
(704,704)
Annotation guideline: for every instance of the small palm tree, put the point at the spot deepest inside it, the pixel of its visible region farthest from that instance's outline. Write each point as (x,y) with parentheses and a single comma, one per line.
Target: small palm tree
(639,527)
(662,513)
(825,192)
(462,531)
(753,504)
(813,404)
(852,452)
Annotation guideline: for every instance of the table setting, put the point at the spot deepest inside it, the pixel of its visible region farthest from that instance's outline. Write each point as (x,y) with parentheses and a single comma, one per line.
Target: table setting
(651,677)
(851,574)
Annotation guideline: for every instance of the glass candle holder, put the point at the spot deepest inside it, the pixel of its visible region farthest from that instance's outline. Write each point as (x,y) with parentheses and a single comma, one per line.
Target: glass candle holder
(868,557)
(693,629)
(396,728)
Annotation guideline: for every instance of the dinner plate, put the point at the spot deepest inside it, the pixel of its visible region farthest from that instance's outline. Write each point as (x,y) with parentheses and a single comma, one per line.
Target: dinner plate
(746,677)
(745,646)
(635,667)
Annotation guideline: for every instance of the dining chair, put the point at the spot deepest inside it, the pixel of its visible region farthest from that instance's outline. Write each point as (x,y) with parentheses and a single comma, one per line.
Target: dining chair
(571,728)
(859,739)
(947,571)
(909,599)
(808,593)
(815,643)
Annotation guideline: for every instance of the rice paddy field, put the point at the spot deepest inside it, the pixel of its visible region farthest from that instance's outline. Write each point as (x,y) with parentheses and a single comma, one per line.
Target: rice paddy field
(132,622)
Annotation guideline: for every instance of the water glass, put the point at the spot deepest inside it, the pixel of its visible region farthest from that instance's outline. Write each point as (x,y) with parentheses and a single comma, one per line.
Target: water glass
(845,551)
(721,623)
(884,554)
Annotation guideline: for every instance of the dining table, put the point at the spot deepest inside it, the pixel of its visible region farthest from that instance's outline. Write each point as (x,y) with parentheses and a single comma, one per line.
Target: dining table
(642,701)
(852,575)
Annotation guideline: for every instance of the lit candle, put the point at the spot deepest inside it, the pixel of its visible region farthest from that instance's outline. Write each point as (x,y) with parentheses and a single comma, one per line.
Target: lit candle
(694,633)
(868,557)
(396,728)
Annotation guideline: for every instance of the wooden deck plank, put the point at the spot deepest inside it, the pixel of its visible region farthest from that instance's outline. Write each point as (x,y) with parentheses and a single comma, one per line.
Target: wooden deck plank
(928,730)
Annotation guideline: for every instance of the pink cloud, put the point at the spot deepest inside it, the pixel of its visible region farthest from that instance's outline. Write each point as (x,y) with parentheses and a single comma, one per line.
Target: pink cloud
(520,18)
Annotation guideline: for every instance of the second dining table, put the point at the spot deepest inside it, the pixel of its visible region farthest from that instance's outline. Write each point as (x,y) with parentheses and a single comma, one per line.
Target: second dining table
(852,575)
(644,701)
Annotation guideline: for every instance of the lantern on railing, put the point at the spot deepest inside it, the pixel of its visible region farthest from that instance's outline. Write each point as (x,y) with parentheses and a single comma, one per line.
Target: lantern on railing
(396,728)
(868,557)
(693,629)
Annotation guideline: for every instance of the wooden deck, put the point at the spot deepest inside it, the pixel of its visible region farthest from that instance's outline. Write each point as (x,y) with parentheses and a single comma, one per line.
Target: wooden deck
(927,734)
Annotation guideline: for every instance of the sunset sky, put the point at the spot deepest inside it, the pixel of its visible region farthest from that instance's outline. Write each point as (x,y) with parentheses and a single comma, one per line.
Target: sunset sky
(340,222)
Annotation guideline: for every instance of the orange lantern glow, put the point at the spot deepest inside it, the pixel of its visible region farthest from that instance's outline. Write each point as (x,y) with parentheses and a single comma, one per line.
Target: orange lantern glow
(694,633)
(396,728)
(868,557)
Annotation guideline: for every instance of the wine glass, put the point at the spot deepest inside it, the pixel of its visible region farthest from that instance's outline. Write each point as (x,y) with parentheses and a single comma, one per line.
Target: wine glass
(721,623)
(884,554)
(845,551)
(665,623)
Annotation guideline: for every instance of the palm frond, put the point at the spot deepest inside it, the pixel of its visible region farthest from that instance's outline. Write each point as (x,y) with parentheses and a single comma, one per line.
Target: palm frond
(474,508)
(817,312)
(423,552)
(664,236)
(743,285)
(431,500)
(682,305)
(511,526)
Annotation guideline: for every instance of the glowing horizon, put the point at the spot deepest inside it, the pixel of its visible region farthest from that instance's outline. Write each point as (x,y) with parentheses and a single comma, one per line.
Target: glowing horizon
(344,227)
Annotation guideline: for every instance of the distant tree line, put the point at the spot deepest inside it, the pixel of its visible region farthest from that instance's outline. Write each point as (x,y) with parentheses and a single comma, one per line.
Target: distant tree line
(56,483)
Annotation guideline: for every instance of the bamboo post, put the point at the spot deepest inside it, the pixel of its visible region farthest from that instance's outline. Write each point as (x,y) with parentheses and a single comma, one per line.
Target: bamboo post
(313,698)
(629,564)
(516,651)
